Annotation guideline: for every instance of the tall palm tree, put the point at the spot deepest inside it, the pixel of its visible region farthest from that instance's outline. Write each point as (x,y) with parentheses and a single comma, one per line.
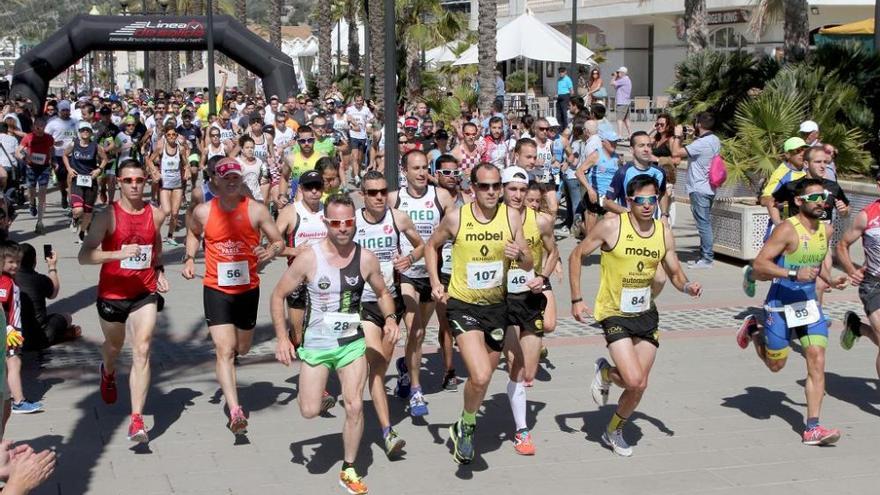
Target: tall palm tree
(275,23)
(696,25)
(323,23)
(796,24)
(352,12)
(241,15)
(377,49)
(421,25)
(487,23)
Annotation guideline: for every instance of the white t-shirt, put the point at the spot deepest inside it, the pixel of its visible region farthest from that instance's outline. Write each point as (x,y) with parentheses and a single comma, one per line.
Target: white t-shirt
(360,118)
(63,132)
(9,144)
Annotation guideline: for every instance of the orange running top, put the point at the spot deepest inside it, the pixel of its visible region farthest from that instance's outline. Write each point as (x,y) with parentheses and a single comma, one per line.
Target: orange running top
(230,239)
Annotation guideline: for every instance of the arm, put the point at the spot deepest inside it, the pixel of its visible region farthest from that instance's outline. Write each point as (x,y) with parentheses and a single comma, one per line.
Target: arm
(596,238)
(91,254)
(408,229)
(52,261)
(267,225)
(675,147)
(444,231)
(102,162)
(292,278)
(373,275)
(517,249)
(673,268)
(193,239)
(157,265)
(610,203)
(765,267)
(545,225)
(852,235)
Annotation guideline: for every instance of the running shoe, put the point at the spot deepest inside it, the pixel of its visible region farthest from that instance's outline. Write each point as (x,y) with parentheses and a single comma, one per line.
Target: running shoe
(393,444)
(821,436)
(599,387)
(403,386)
(108,385)
(26,407)
(327,402)
(522,442)
(563,232)
(701,264)
(237,422)
(450,382)
(352,483)
(136,431)
(852,325)
(618,445)
(170,241)
(417,405)
(748,282)
(462,437)
(744,334)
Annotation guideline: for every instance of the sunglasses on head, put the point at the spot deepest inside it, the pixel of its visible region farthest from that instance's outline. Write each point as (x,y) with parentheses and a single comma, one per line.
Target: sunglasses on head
(644,200)
(486,186)
(376,192)
(133,180)
(815,197)
(449,173)
(306,141)
(348,222)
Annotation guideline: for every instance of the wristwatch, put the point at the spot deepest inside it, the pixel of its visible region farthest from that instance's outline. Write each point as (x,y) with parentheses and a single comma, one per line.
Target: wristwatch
(792,275)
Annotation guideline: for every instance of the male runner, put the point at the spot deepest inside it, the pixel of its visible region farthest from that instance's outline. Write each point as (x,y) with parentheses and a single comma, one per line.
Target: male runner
(232,225)
(525,156)
(35,150)
(299,161)
(336,272)
(125,240)
(360,117)
(63,130)
(633,245)
(486,236)
(793,258)
(379,229)
(85,161)
(526,300)
(425,205)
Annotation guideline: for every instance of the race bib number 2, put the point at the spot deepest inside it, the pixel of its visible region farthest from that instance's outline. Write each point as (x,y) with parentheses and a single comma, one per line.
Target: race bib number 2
(485,275)
(233,273)
(140,261)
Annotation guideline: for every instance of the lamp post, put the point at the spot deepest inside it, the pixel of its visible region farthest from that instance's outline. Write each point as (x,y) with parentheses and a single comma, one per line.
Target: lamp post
(574,21)
(212,98)
(368,66)
(163,56)
(146,80)
(392,153)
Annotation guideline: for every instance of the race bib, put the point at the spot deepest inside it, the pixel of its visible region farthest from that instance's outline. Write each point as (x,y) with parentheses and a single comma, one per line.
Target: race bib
(340,325)
(140,261)
(38,158)
(487,275)
(446,254)
(801,313)
(635,300)
(84,180)
(233,273)
(517,278)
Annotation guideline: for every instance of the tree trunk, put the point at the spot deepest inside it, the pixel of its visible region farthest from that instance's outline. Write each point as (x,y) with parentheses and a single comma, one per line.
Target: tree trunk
(377,50)
(796,30)
(696,25)
(161,63)
(275,23)
(194,59)
(324,28)
(487,22)
(241,16)
(413,71)
(354,48)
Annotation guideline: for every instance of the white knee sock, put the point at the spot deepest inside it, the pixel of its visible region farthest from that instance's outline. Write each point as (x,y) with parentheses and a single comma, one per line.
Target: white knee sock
(517,395)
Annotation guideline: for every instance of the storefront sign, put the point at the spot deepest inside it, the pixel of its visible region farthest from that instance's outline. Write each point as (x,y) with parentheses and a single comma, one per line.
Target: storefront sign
(727,17)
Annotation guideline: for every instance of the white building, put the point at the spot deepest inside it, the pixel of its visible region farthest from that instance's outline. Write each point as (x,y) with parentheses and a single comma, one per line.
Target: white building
(648,37)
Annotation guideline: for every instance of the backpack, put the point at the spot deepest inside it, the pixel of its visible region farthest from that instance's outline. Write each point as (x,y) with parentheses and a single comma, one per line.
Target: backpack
(717,172)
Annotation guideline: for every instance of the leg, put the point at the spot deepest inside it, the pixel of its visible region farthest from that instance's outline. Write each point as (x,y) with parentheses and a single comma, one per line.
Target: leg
(633,359)
(165,201)
(297,322)
(531,354)
(549,312)
(445,338)
(243,340)
(480,362)
(225,343)
(701,207)
(873,333)
(143,322)
(312,382)
(379,351)
(352,377)
(815,385)
(13,378)
(114,339)
(414,317)
(111,188)
(176,199)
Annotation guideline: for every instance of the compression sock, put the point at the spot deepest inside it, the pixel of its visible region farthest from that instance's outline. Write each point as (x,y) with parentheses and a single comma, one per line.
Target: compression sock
(812,423)
(468,418)
(516,393)
(616,423)
(346,465)
(386,431)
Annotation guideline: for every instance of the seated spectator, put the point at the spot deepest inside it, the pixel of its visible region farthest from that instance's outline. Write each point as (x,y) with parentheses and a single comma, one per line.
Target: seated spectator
(41,329)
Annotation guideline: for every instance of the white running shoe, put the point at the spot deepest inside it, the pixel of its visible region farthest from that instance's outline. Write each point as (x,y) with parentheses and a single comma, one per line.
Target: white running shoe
(599,388)
(616,443)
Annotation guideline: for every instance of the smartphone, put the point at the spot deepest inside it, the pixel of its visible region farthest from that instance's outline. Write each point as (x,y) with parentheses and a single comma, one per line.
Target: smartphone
(47,250)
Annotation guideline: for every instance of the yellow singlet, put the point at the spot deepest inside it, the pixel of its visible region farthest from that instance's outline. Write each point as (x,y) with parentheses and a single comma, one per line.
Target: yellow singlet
(626,271)
(478,262)
(299,164)
(517,277)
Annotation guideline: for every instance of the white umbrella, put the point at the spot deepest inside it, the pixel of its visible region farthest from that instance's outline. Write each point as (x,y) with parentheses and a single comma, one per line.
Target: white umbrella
(441,54)
(199,78)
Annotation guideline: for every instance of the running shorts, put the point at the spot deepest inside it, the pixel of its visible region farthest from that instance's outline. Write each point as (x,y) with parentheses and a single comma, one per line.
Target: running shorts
(236,309)
(335,358)
(526,310)
(869,293)
(34,177)
(83,197)
(491,319)
(371,312)
(117,310)
(422,286)
(643,326)
(358,144)
(777,335)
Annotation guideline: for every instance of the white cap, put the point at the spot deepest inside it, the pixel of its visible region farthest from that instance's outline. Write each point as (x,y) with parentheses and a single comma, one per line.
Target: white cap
(623,69)
(515,174)
(552,122)
(85,125)
(809,126)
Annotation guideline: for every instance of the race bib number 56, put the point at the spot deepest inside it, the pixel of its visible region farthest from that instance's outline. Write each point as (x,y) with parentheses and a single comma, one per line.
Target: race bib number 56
(233,273)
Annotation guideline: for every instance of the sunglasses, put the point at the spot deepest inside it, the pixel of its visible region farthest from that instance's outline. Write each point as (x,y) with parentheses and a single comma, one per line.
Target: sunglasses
(376,192)
(133,180)
(449,173)
(213,135)
(486,186)
(644,200)
(545,129)
(306,141)
(470,134)
(171,135)
(815,197)
(313,187)
(660,124)
(348,222)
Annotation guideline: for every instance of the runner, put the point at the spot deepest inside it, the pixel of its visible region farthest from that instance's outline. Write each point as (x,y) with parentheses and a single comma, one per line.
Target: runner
(193,136)
(125,240)
(264,147)
(63,130)
(255,172)
(360,118)
(596,177)
(527,297)
(35,150)
(495,147)
(232,225)
(467,152)
(336,272)
(379,230)
(633,245)
(545,161)
(425,205)
(302,159)
(793,258)
(127,146)
(84,161)
(105,136)
(169,167)
(525,156)
(486,236)
(866,226)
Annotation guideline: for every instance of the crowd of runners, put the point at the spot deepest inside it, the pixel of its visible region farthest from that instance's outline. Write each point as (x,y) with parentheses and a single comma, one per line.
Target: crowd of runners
(469,234)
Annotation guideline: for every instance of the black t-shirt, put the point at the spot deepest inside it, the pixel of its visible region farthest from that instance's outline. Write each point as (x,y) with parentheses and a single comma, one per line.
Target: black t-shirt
(105,133)
(786,194)
(193,135)
(34,288)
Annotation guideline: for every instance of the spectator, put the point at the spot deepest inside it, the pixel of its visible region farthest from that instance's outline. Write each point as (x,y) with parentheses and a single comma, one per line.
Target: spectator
(41,329)
(664,132)
(23,469)
(564,92)
(8,145)
(622,98)
(809,132)
(596,89)
(699,154)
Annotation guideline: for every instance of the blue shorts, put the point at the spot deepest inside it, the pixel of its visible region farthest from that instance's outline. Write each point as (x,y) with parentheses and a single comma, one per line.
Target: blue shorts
(358,144)
(777,335)
(37,178)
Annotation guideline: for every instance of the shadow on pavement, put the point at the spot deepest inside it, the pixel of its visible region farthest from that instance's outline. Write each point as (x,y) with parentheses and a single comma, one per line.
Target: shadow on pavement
(761,403)
(858,391)
(174,403)
(593,423)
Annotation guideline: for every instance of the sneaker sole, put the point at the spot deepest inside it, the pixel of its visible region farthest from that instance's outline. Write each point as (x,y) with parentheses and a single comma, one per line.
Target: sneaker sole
(607,443)
(455,456)
(418,413)
(327,403)
(846,330)
(32,411)
(238,427)
(742,335)
(395,451)
(824,441)
(349,490)
(596,388)
(139,437)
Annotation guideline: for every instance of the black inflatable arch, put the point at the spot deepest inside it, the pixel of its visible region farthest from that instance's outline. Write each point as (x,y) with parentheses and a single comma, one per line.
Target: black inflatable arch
(36,68)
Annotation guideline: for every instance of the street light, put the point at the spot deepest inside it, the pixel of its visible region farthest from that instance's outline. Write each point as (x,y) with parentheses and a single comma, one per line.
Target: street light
(123,4)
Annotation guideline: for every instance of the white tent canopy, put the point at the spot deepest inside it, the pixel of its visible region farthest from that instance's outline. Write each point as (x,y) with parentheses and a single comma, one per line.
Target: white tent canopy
(199,78)
(530,38)
(442,54)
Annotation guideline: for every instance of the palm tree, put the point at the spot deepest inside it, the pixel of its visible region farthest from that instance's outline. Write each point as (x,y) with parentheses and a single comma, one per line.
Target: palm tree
(486,63)
(241,15)
(352,12)
(275,23)
(421,25)
(377,49)
(323,26)
(696,25)
(796,24)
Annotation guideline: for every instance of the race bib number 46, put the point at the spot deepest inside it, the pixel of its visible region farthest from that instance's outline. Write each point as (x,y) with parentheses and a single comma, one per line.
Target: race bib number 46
(233,273)
(485,275)
(517,279)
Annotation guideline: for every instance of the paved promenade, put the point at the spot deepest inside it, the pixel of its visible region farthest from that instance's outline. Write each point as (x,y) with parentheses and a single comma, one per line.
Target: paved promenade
(713,419)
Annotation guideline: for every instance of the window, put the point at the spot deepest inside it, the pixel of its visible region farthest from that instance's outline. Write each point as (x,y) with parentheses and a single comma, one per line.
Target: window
(727,38)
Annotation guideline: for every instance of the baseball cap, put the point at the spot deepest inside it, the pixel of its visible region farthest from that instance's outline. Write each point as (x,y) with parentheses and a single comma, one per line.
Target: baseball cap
(793,143)
(515,174)
(228,166)
(311,178)
(194,158)
(441,134)
(63,105)
(552,122)
(105,111)
(84,125)
(129,120)
(411,122)
(609,135)
(623,69)
(809,126)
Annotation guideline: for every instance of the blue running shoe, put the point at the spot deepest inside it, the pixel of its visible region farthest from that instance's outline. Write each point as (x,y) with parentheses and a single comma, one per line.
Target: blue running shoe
(462,437)
(26,407)
(417,405)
